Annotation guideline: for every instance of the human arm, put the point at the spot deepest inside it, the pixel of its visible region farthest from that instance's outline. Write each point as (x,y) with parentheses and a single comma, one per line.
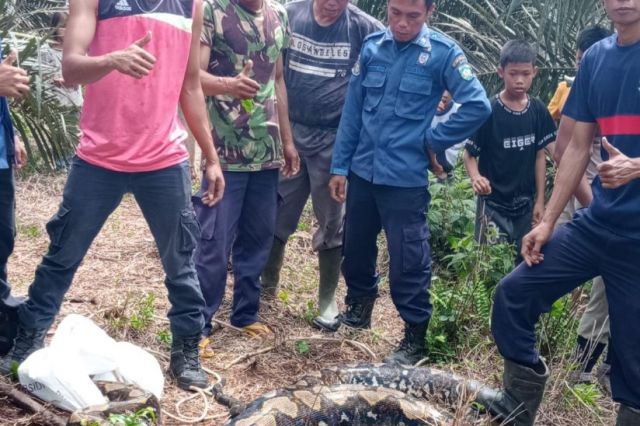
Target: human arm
(79,69)
(565,129)
(20,153)
(569,174)
(480,184)
(240,86)
(195,114)
(291,158)
(348,135)
(540,179)
(14,81)
(467,91)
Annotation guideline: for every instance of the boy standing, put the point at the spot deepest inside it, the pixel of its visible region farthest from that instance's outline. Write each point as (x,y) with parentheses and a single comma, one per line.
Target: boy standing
(510,176)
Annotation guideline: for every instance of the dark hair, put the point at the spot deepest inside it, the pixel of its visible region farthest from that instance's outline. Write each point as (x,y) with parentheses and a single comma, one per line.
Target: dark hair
(517,52)
(590,36)
(429,3)
(56,19)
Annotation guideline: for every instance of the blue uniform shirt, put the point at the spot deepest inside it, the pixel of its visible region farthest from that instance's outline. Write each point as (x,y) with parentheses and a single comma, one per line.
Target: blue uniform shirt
(385,128)
(607,91)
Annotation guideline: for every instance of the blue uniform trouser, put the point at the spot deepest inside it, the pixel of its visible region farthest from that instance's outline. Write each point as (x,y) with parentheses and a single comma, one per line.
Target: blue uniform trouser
(91,194)
(7,226)
(401,212)
(577,252)
(242,223)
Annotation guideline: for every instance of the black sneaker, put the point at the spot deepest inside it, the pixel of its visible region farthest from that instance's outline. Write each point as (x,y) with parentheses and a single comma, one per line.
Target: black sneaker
(27,341)
(185,363)
(412,347)
(358,313)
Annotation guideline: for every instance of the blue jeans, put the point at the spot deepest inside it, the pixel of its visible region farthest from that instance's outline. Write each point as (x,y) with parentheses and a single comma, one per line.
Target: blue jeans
(402,214)
(577,252)
(7,226)
(243,223)
(91,194)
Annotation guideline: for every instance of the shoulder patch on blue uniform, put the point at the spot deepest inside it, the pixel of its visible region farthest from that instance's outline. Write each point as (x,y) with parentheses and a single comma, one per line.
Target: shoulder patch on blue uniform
(355,71)
(459,60)
(466,72)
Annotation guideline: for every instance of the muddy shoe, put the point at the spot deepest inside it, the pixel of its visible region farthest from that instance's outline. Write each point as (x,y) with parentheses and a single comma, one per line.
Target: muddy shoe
(324,324)
(358,314)
(257,329)
(185,363)
(204,349)
(412,347)
(8,322)
(27,341)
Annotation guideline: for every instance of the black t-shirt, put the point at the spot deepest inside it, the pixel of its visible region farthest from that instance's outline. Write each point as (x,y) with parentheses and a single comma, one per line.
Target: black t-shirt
(319,60)
(507,144)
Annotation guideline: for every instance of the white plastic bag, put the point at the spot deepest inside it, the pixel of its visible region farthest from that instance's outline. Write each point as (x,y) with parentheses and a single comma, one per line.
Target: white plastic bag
(61,373)
(59,377)
(95,349)
(138,367)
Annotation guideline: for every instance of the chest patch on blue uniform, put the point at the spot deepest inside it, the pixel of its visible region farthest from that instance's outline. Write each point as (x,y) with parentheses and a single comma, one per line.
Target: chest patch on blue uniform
(423,58)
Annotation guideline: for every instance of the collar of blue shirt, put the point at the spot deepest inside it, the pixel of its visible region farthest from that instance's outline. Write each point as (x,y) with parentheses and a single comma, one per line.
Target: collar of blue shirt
(422,39)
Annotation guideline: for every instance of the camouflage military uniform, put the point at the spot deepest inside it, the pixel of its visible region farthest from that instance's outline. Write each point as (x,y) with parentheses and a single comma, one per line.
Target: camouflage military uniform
(247,133)
(247,137)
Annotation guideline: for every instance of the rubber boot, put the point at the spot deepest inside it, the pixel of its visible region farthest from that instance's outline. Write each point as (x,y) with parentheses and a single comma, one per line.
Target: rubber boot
(329,261)
(358,314)
(412,347)
(517,404)
(185,362)
(271,274)
(27,341)
(628,416)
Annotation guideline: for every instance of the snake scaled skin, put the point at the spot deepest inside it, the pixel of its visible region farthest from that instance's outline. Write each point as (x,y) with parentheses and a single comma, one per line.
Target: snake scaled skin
(363,394)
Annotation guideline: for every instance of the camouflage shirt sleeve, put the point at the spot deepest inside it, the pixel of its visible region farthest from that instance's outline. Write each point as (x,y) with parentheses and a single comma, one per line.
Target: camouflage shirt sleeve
(208,24)
(284,18)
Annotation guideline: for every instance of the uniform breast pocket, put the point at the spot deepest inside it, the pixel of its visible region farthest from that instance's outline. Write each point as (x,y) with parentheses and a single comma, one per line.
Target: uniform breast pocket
(412,98)
(373,84)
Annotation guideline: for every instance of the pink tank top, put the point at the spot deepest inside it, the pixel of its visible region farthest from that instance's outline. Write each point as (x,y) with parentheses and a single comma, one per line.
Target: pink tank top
(131,125)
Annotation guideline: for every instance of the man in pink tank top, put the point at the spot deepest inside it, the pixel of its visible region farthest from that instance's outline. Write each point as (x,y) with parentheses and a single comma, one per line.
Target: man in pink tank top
(139,61)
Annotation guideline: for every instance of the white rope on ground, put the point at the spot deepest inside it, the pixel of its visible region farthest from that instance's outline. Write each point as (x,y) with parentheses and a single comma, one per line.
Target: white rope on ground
(205,394)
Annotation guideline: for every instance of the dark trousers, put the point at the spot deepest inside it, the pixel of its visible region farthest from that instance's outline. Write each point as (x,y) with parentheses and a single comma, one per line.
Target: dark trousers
(243,223)
(577,252)
(7,226)
(401,212)
(91,194)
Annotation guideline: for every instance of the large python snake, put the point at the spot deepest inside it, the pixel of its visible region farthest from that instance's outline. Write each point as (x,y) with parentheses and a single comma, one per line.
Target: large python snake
(364,394)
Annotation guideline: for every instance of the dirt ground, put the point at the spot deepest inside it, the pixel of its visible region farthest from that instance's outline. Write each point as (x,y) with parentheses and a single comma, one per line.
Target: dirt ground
(122,269)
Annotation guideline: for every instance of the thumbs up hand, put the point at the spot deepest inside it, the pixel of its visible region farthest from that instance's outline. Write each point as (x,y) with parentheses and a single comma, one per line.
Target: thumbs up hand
(134,60)
(243,86)
(14,81)
(619,169)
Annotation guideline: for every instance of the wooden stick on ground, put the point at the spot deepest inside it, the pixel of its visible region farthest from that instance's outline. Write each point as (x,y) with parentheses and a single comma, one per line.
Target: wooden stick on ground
(24,401)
